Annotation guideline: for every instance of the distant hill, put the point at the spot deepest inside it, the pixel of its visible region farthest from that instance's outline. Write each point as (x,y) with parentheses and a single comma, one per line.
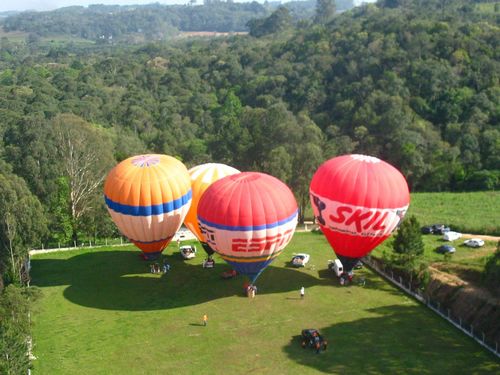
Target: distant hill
(151,22)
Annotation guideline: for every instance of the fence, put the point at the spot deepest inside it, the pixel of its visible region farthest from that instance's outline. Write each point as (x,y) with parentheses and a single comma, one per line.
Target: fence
(458,322)
(181,235)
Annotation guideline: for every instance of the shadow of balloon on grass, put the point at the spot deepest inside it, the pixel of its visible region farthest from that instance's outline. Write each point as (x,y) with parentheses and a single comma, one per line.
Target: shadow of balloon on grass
(395,339)
(121,280)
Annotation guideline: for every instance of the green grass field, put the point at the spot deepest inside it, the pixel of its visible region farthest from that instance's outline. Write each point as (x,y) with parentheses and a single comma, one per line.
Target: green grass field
(472,258)
(465,212)
(102,312)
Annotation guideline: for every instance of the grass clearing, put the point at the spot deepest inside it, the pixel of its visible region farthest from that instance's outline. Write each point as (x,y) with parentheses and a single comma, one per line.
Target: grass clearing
(475,212)
(102,312)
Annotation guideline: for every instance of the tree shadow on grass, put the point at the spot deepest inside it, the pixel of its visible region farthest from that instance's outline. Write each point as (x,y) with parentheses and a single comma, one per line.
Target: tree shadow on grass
(121,280)
(397,339)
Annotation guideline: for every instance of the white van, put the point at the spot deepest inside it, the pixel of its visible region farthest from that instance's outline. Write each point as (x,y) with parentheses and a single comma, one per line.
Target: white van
(451,236)
(336,266)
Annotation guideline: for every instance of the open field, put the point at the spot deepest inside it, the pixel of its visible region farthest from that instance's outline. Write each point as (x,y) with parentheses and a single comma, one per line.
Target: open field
(473,258)
(475,212)
(102,312)
(465,212)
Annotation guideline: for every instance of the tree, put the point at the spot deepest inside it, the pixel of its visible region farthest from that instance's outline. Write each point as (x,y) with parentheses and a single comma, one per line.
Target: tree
(491,274)
(408,243)
(325,10)
(86,155)
(409,239)
(22,225)
(15,329)
(278,21)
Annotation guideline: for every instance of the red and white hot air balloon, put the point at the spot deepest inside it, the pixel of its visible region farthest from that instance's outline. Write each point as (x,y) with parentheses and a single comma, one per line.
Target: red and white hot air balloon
(248,218)
(358,201)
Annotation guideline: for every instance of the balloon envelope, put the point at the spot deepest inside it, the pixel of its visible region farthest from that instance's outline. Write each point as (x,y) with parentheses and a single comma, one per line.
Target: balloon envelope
(358,201)
(202,176)
(248,218)
(148,197)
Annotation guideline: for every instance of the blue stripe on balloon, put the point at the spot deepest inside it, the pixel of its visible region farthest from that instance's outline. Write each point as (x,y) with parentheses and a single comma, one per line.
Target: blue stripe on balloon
(250,227)
(157,209)
(251,270)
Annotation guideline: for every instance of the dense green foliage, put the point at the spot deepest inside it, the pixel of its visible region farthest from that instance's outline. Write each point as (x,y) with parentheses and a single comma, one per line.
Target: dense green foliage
(417,85)
(408,239)
(491,274)
(132,321)
(15,329)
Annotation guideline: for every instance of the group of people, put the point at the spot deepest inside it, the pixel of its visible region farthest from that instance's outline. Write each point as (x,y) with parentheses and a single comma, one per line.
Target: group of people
(155,267)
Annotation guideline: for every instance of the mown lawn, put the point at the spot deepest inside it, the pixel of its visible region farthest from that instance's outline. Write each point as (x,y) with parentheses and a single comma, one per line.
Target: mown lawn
(102,312)
(465,212)
(475,212)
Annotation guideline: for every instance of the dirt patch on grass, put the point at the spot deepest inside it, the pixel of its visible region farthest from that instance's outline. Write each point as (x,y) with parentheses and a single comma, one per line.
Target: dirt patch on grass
(483,237)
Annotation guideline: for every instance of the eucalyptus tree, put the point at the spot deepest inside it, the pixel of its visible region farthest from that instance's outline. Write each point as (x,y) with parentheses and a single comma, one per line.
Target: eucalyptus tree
(86,154)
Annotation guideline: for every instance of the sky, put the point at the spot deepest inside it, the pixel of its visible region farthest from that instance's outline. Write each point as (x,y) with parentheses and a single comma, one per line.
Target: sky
(42,5)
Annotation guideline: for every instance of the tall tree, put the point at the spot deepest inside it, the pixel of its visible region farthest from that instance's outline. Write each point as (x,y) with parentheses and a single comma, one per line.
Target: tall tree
(22,225)
(408,243)
(86,155)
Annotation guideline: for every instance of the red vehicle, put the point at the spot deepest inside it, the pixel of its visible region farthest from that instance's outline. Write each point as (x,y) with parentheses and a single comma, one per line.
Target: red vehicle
(229,274)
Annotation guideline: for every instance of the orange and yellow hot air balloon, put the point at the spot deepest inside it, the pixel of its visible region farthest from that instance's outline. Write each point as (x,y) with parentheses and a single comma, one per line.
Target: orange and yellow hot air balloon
(148,197)
(202,176)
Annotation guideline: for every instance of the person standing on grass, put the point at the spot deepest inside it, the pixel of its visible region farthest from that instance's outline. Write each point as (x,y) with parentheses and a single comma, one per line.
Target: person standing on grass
(205,320)
(302,292)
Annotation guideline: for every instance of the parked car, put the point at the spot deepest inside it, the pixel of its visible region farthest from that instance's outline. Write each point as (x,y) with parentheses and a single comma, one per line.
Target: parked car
(435,229)
(311,338)
(445,249)
(474,242)
(451,236)
(300,260)
(426,230)
(188,251)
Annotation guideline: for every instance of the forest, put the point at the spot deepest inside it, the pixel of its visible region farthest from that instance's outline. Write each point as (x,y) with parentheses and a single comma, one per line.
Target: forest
(139,23)
(414,83)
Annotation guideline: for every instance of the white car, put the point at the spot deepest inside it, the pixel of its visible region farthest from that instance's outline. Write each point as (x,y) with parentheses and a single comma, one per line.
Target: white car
(451,236)
(300,260)
(474,242)
(188,251)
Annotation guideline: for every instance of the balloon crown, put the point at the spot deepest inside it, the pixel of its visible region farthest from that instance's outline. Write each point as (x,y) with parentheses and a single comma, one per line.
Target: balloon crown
(145,160)
(365,158)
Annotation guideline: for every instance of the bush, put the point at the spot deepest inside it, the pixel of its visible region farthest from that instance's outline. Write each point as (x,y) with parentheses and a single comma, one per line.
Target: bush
(491,274)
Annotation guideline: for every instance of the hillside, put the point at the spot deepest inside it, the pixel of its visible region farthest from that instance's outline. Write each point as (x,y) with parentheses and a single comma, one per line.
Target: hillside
(416,85)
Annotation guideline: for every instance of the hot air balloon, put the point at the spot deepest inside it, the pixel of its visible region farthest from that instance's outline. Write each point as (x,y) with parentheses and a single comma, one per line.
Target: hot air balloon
(148,197)
(248,218)
(358,201)
(202,176)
